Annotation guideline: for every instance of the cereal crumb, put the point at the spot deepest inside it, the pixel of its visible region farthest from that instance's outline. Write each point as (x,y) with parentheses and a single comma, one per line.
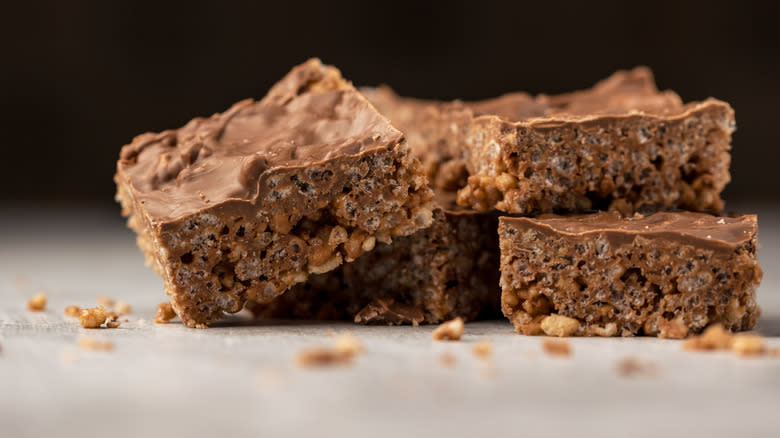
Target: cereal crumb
(714,337)
(72,311)
(746,344)
(452,330)
(329,333)
(556,347)
(717,338)
(447,359)
(105,301)
(112,320)
(344,348)
(165,313)
(92,318)
(122,308)
(346,343)
(483,349)
(37,303)
(774,351)
(559,325)
(95,344)
(630,366)
(321,357)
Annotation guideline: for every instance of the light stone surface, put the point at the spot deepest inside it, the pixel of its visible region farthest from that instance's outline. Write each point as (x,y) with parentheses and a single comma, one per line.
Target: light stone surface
(240,378)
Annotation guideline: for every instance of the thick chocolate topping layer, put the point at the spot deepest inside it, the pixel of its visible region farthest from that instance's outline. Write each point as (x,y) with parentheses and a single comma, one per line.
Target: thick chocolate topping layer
(707,230)
(628,91)
(310,116)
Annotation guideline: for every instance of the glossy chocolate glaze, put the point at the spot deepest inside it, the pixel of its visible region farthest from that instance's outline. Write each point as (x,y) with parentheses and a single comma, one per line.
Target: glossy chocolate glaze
(309,117)
(699,229)
(623,93)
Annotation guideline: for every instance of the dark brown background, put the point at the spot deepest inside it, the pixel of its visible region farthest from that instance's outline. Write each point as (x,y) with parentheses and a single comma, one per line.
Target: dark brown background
(80,79)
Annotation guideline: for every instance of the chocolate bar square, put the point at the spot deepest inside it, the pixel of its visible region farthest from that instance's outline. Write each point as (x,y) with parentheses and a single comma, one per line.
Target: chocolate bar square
(666,275)
(245,204)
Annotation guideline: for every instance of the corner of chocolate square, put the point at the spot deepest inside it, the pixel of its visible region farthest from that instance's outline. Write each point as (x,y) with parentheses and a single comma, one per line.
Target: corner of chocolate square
(247,203)
(622,145)
(666,274)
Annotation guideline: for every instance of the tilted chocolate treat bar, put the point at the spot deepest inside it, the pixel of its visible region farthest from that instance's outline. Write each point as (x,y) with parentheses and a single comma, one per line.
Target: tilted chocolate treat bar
(621,145)
(436,274)
(245,204)
(666,275)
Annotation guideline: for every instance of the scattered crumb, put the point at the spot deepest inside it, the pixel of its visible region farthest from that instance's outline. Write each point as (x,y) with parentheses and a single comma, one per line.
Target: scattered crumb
(329,333)
(344,348)
(112,320)
(122,308)
(72,311)
(37,303)
(452,330)
(95,344)
(714,337)
(746,344)
(140,321)
(105,301)
(346,343)
(483,349)
(555,347)
(165,313)
(630,366)
(92,318)
(269,378)
(717,338)
(447,359)
(322,356)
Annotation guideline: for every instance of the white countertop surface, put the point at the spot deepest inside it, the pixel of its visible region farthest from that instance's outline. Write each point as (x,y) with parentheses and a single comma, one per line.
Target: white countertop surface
(240,378)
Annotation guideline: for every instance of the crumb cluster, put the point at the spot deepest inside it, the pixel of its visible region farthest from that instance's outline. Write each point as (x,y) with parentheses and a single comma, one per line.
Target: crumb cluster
(630,366)
(483,349)
(37,303)
(165,313)
(93,318)
(95,344)
(105,301)
(345,347)
(717,338)
(451,330)
(122,308)
(556,347)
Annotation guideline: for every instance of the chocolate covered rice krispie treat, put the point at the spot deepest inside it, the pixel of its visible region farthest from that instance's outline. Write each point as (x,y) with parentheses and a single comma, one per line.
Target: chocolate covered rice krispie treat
(245,204)
(666,275)
(622,145)
(448,270)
